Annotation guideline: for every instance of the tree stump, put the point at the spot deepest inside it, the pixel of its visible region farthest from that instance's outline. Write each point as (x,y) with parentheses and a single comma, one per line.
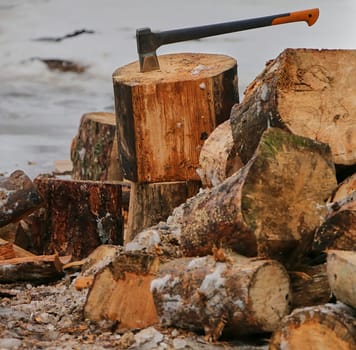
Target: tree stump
(269,208)
(151,203)
(341,270)
(121,291)
(324,327)
(307,92)
(79,216)
(164,116)
(18,197)
(94,151)
(218,157)
(225,292)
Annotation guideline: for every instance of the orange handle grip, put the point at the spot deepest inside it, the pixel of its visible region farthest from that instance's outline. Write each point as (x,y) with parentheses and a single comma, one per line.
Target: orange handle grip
(309,16)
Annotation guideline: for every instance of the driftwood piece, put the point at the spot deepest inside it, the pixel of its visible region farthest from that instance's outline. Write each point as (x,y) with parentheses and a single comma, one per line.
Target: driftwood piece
(18,197)
(225,293)
(341,270)
(271,207)
(151,203)
(121,292)
(164,116)
(78,217)
(94,151)
(218,157)
(307,92)
(38,269)
(310,286)
(329,326)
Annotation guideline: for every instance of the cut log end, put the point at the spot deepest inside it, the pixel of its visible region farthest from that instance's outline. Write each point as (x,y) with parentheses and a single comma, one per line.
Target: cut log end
(268,303)
(325,327)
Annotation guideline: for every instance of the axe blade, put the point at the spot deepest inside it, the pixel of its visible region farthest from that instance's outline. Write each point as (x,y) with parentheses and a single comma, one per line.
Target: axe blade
(147,43)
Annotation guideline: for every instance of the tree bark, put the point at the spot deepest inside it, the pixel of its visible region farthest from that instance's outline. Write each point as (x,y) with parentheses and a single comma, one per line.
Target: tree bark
(38,269)
(270,208)
(324,327)
(307,92)
(341,270)
(121,291)
(338,231)
(18,197)
(310,286)
(151,203)
(222,293)
(94,151)
(218,157)
(164,116)
(79,216)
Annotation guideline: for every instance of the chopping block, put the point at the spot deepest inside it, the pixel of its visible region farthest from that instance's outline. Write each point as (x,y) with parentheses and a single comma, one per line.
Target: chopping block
(163,117)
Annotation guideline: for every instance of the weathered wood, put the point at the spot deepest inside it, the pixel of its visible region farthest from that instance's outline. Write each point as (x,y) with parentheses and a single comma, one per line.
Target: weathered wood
(94,150)
(18,197)
(310,286)
(338,231)
(341,271)
(307,92)
(324,327)
(151,203)
(38,269)
(225,293)
(218,157)
(164,116)
(78,217)
(7,251)
(19,252)
(344,189)
(270,208)
(121,292)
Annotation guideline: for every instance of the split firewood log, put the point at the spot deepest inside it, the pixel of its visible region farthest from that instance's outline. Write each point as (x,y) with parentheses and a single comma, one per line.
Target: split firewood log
(7,251)
(307,92)
(39,268)
(78,217)
(310,286)
(270,208)
(18,197)
(18,251)
(121,291)
(323,327)
(344,189)
(224,293)
(218,157)
(94,150)
(338,231)
(341,271)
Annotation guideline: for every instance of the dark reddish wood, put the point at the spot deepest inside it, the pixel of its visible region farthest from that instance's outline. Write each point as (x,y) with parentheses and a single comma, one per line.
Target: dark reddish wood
(79,216)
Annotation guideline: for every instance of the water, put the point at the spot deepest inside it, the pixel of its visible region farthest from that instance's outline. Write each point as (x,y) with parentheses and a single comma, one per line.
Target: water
(40,109)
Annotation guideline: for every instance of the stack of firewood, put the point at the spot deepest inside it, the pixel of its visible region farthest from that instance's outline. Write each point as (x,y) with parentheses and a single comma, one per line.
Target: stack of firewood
(266,246)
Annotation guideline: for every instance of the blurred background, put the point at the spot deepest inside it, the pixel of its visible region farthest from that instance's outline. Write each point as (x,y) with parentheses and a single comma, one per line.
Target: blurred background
(40,107)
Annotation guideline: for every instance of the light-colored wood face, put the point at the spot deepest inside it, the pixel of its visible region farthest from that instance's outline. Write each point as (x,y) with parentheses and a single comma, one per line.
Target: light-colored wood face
(317,99)
(176,67)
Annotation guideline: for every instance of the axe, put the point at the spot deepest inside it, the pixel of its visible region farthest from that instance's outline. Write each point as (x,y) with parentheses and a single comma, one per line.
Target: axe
(148,42)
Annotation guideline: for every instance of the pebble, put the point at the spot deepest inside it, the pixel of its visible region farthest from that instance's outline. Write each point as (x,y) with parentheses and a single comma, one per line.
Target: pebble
(10,343)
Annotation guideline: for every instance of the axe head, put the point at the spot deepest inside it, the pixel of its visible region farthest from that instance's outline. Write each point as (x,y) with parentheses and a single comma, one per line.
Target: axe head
(147,44)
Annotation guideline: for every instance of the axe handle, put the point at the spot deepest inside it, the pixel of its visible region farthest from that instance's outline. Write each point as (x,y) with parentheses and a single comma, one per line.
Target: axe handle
(177,35)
